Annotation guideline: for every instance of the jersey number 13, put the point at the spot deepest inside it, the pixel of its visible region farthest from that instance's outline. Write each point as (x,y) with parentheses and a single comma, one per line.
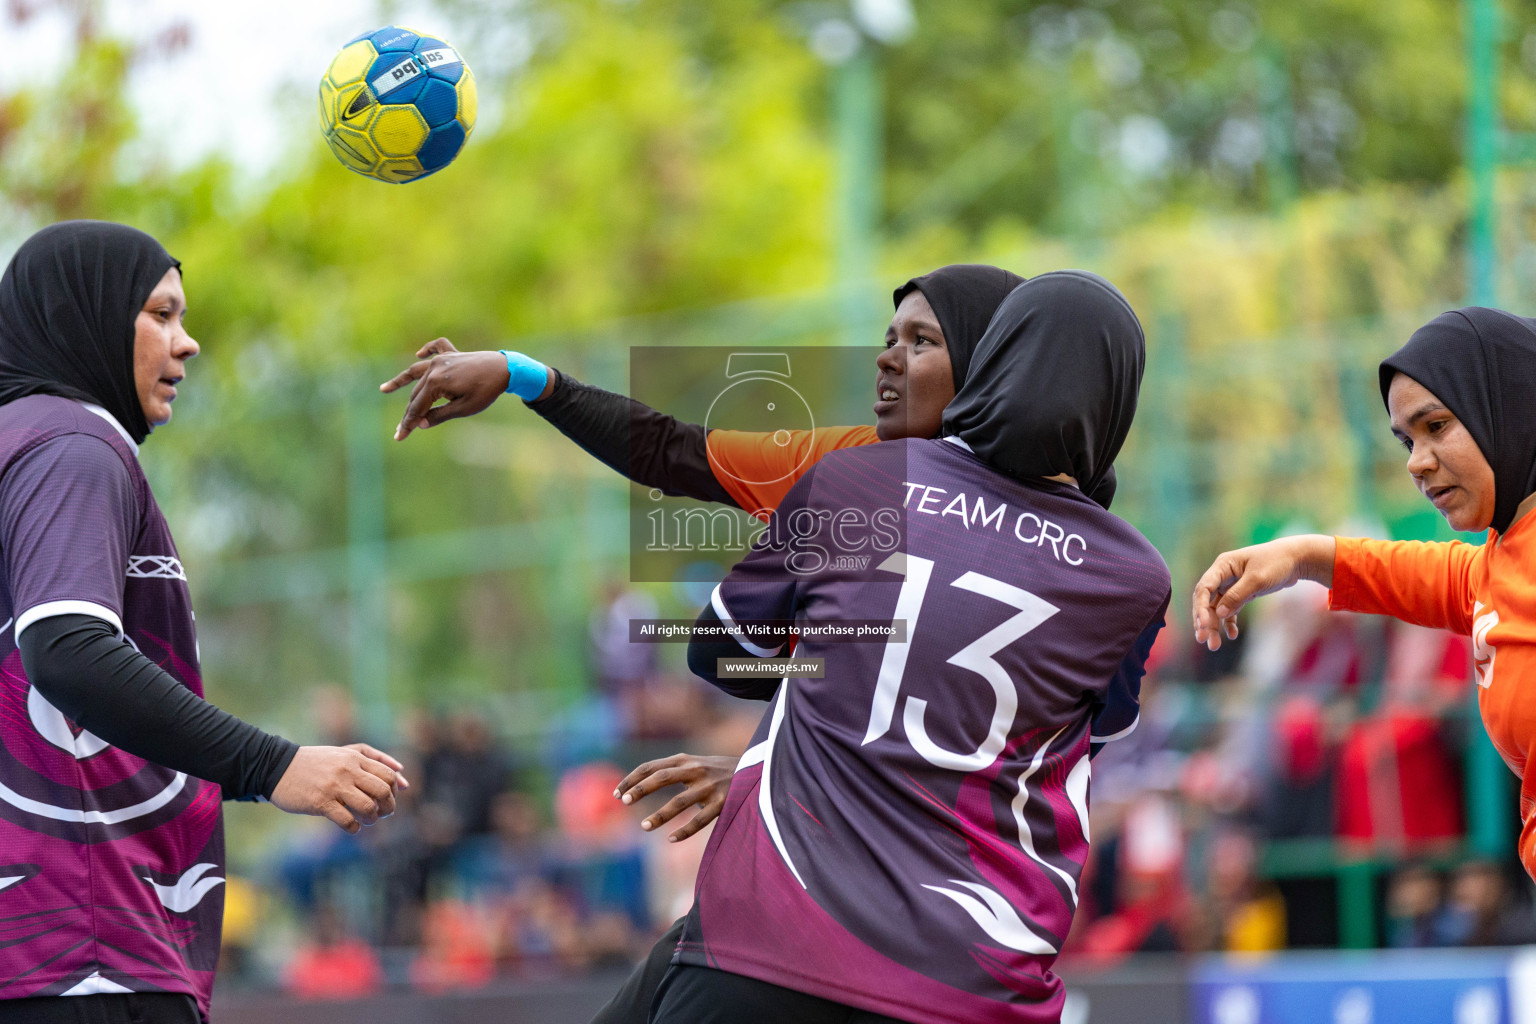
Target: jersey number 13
(976,657)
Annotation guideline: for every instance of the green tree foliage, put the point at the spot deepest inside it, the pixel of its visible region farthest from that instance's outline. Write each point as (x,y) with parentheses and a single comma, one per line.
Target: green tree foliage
(1088,115)
(61,141)
(622,177)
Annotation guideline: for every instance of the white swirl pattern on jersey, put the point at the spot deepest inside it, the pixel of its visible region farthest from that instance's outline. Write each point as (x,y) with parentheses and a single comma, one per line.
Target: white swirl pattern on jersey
(996,917)
(1026,837)
(189,889)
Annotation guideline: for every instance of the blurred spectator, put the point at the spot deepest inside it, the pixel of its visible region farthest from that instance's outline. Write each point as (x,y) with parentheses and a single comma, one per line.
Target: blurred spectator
(333,964)
(1153,906)
(1399,786)
(1414,918)
(1480,911)
(1299,798)
(469,878)
(1334,657)
(516,849)
(1427,669)
(1284,632)
(241,917)
(671,708)
(604,865)
(316,858)
(1243,914)
(465,773)
(619,666)
(541,928)
(648,704)
(457,949)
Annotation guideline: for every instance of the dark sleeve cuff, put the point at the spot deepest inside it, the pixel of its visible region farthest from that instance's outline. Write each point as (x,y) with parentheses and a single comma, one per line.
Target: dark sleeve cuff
(704,657)
(272,762)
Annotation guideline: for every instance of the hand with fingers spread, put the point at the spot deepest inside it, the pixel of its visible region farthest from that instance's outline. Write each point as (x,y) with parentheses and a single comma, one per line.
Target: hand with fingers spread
(352,786)
(1237,577)
(468,382)
(706,780)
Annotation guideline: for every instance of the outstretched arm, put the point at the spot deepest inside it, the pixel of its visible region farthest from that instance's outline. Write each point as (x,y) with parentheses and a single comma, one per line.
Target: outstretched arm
(82,667)
(1427,584)
(629,437)
(466,382)
(1237,577)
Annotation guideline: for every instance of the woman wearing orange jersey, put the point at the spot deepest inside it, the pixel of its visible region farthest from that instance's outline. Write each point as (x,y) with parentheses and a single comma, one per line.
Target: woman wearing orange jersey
(1460,396)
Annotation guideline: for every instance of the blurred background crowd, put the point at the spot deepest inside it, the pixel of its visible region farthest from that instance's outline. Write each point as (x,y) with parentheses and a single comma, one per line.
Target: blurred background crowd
(504,857)
(1302,788)
(1284,189)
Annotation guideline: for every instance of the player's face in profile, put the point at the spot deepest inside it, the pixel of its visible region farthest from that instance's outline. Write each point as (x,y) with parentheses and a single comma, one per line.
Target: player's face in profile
(914,382)
(161,348)
(1444,461)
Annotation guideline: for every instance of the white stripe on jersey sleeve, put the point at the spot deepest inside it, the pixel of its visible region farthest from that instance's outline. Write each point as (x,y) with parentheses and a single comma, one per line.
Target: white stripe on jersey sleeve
(48,609)
(1077,792)
(1122,734)
(127,437)
(718,603)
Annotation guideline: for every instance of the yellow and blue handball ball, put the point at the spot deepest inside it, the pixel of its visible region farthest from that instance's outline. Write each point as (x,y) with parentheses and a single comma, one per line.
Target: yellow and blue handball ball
(397,105)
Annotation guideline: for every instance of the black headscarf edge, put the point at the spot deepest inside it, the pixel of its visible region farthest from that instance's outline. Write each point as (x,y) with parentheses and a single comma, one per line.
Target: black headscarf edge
(1479,362)
(964,296)
(1038,402)
(68,303)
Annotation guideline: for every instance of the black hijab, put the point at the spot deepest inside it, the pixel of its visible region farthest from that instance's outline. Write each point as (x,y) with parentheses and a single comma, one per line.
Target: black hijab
(963,296)
(68,302)
(1053,383)
(1482,364)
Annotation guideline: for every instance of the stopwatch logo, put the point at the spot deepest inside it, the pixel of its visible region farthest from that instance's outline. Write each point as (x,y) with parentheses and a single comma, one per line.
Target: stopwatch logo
(760,399)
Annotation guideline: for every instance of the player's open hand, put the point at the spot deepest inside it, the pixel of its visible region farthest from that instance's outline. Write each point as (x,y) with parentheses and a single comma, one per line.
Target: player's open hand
(353,786)
(468,381)
(705,779)
(401,782)
(1237,577)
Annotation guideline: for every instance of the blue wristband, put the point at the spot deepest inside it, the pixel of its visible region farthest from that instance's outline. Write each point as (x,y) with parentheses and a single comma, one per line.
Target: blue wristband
(526,377)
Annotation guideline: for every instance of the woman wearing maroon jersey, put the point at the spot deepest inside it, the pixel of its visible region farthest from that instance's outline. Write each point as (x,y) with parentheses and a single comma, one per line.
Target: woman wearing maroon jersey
(905,837)
(939,318)
(112,766)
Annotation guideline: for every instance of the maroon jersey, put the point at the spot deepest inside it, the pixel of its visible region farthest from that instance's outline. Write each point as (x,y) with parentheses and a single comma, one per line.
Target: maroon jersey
(111,868)
(906,833)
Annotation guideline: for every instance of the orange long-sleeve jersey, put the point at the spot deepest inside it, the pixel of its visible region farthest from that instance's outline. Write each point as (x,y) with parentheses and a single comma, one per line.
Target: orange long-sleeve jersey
(1487,593)
(758,469)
